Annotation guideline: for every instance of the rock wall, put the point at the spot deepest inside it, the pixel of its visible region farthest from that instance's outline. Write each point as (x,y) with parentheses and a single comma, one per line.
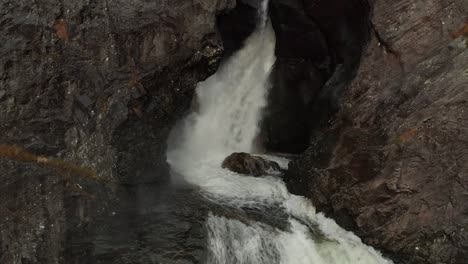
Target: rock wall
(95,83)
(392,164)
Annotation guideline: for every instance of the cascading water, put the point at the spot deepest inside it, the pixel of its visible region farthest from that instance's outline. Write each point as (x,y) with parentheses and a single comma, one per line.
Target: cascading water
(230,104)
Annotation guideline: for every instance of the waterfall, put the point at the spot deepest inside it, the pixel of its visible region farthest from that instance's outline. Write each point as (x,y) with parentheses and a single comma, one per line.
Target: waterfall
(229,110)
(231,100)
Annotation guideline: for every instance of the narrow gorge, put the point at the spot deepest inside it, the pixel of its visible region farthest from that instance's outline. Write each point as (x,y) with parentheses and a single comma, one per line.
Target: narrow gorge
(345,121)
(226,121)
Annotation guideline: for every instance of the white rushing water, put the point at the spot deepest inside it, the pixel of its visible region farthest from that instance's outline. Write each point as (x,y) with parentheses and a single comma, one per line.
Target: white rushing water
(230,104)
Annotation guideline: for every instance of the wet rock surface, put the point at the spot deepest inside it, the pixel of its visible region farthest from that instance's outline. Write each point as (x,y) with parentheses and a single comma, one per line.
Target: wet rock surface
(150,223)
(98,84)
(391,166)
(247,164)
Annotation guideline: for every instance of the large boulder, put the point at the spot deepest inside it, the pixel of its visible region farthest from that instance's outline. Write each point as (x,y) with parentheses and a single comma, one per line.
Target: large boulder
(247,164)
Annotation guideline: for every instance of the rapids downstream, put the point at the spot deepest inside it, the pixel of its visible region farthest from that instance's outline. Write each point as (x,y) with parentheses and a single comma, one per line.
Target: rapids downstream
(265,223)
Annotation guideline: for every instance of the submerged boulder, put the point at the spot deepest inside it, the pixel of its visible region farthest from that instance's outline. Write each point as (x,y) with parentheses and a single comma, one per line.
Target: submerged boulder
(244,163)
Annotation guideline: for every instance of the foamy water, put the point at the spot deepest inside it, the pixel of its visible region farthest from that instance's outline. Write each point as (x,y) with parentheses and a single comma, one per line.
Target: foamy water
(230,106)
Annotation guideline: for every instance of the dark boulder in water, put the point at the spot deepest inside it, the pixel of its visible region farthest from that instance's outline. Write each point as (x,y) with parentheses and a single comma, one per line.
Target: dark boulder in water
(247,164)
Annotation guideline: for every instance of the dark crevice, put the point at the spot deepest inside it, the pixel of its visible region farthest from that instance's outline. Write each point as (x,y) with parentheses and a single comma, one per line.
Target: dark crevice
(319,47)
(236,25)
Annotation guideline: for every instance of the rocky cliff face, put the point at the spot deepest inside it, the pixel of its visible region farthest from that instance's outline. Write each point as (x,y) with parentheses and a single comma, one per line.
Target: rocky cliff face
(392,163)
(100,83)
(94,83)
